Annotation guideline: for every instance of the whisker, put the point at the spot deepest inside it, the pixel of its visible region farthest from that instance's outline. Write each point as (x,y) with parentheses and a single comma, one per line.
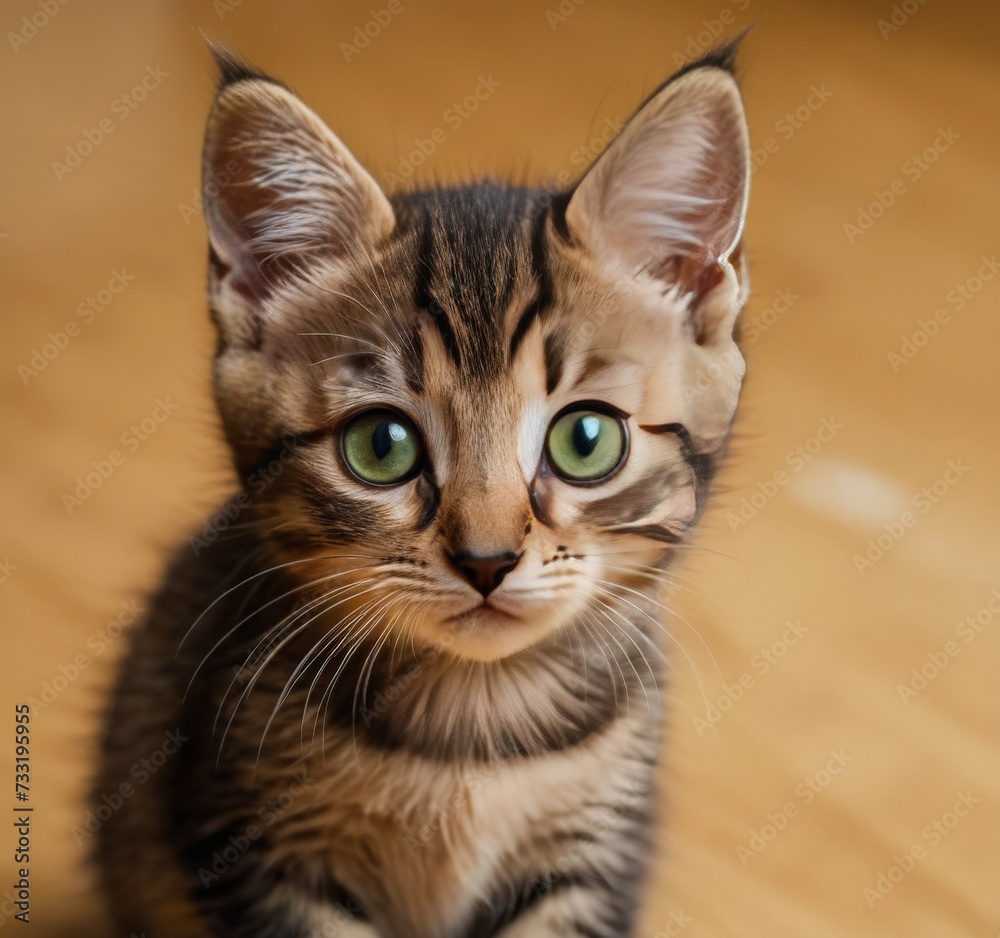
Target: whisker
(671,612)
(350,632)
(366,672)
(608,657)
(294,633)
(628,658)
(307,659)
(364,631)
(600,586)
(344,634)
(260,573)
(257,611)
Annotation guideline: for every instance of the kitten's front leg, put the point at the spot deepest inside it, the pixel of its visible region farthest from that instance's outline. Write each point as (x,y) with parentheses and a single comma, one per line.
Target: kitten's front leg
(576,911)
(337,927)
(311,918)
(255,899)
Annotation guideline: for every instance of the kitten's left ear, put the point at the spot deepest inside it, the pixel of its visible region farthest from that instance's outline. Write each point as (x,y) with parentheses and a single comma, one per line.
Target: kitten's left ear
(668,197)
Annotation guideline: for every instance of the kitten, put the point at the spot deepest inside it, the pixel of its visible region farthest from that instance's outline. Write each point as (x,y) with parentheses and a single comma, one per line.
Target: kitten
(406,683)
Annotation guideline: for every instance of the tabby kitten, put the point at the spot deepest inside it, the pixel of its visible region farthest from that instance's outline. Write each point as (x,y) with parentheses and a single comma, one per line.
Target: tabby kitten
(405,684)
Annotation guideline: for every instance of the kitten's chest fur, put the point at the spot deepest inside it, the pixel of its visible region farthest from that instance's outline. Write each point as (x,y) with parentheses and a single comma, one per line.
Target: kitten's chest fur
(405,836)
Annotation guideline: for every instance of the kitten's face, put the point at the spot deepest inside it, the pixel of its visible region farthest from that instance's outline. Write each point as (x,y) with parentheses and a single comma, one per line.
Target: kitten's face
(497,410)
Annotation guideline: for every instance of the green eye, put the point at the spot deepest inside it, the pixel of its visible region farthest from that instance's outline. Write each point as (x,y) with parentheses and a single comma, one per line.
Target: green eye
(382,448)
(586,445)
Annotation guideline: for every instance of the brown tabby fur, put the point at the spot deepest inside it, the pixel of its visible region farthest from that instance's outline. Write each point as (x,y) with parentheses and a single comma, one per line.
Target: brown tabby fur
(367,745)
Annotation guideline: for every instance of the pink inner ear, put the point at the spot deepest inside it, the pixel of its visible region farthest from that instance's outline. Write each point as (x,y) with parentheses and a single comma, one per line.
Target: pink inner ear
(695,276)
(231,221)
(240,211)
(295,192)
(669,194)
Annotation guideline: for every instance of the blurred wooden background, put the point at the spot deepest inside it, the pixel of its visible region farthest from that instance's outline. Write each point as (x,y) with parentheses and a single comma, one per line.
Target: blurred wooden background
(814,785)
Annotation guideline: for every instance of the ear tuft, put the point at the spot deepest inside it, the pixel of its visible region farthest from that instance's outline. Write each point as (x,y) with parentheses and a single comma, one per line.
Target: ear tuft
(234,68)
(722,57)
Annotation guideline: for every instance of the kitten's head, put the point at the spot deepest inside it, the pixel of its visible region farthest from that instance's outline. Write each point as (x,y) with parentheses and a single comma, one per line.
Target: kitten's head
(477,416)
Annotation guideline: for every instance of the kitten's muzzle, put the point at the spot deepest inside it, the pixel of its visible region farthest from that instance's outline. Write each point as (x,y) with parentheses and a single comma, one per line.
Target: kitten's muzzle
(485,573)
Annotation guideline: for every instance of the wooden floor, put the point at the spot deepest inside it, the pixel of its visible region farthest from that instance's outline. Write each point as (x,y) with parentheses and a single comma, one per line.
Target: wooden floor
(833,765)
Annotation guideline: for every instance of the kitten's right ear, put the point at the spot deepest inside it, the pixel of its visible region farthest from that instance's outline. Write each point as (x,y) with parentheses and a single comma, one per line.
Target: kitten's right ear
(280,192)
(668,197)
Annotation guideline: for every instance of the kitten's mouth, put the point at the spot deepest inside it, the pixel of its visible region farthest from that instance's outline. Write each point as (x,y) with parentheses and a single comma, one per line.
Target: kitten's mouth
(488,632)
(483,609)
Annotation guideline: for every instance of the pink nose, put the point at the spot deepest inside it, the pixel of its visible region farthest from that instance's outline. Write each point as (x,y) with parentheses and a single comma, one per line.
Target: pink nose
(485,573)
